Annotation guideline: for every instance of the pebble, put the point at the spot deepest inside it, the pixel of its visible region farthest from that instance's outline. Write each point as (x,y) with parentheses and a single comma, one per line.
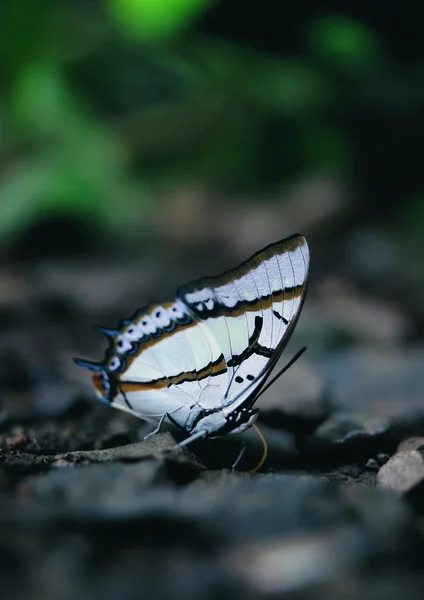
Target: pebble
(402,472)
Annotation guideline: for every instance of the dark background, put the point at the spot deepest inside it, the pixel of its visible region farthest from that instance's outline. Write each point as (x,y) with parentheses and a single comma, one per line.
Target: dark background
(144,143)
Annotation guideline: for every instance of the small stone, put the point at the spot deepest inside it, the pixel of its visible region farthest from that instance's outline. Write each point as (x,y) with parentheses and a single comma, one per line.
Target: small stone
(345,436)
(377,399)
(403,472)
(382,458)
(372,465)
(15,441)
(413,443)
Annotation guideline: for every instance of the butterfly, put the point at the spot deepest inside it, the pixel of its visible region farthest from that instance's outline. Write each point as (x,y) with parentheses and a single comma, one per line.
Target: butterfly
(202,360)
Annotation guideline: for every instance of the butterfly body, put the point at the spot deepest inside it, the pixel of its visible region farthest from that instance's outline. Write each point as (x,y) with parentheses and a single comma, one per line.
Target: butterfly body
(202,359)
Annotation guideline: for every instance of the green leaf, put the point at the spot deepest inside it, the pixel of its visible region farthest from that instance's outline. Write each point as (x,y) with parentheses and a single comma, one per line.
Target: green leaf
(155,20)
(40,100)
(344,42)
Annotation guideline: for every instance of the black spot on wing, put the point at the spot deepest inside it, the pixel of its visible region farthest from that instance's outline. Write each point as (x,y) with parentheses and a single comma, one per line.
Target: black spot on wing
(277,314)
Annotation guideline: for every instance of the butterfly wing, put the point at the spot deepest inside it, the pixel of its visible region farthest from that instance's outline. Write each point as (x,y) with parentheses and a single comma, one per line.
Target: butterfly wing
(213,347)
(252,311)
(162,360)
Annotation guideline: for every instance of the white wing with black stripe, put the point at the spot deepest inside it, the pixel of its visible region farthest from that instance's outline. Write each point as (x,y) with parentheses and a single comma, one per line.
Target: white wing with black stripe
(203,358)
(252,311)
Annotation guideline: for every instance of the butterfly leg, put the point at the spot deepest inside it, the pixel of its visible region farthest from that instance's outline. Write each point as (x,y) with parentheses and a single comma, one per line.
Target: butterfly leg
(157,429)
(200,435)
(239,457)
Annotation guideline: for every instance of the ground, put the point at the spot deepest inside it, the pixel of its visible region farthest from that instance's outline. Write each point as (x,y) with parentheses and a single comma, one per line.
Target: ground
(90,511)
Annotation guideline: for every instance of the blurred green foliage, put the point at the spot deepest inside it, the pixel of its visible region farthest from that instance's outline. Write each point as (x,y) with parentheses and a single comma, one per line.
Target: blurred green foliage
(344,42)
(155,20)
(106,106)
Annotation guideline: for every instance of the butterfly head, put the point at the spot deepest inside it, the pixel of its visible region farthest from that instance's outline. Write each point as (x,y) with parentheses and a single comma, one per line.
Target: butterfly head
(241,419)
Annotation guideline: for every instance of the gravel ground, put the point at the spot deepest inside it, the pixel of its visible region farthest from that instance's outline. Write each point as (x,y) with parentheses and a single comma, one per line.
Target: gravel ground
(90,511)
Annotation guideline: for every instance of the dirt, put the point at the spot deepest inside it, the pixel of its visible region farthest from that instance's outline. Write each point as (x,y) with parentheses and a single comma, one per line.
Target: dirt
(91,511)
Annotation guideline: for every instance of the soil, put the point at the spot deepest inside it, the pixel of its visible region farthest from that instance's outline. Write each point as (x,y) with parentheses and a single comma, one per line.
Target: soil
(89,510)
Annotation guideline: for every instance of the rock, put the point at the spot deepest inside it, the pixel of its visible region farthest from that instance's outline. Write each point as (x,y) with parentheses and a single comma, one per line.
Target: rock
(19,439)
(352,475)
(377,399)
(17,465)
(157,458)
(384,384)
(297,563)
(382,458)
(345,437)
(403,472)
(372,464)
(414,443)
(297,401)
(156,446)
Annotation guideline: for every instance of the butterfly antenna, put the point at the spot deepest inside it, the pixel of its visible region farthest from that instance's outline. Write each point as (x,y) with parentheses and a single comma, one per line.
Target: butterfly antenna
(283,370)
(265,452)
